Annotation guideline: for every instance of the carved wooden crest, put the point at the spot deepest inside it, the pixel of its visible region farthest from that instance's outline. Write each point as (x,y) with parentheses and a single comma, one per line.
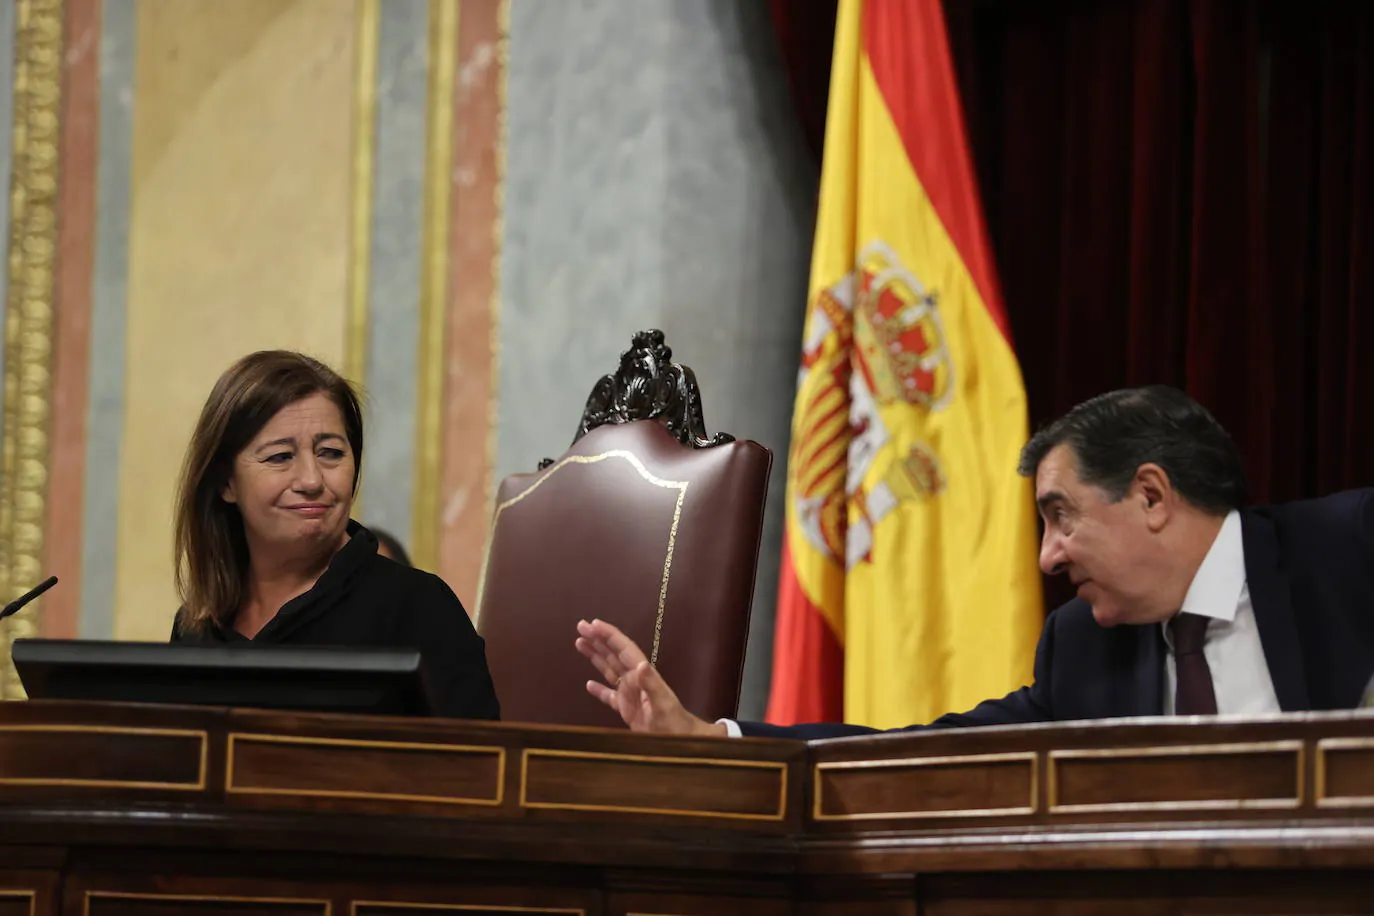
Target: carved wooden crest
(648,385)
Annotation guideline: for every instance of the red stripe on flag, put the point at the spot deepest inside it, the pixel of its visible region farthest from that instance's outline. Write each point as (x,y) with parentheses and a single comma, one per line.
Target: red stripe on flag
(841,407)
(839,466)
(808,663)
(908,49)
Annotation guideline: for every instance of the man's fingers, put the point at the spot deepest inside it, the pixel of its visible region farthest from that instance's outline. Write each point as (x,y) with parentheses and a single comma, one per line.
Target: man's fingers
(645,678)
(594,654)
(608,641)
(596,636)
(606,664)
(630,654)
(604,694)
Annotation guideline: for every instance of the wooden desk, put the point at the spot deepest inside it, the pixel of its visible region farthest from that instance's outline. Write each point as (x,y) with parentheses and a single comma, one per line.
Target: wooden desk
(113,810)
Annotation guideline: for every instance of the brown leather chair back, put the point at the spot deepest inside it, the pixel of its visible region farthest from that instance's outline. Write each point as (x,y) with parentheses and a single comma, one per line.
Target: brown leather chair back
(633,526)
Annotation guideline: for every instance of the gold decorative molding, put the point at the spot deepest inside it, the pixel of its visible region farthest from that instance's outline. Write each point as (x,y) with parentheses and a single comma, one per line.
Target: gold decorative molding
(357,327)
(367,33)
(38,55)
(434,248)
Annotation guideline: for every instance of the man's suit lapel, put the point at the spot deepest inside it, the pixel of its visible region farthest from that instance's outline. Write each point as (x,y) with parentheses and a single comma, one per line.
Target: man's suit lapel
(1271,598)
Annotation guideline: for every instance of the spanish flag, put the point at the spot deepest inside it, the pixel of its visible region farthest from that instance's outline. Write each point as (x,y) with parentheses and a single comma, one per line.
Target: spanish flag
(909,583)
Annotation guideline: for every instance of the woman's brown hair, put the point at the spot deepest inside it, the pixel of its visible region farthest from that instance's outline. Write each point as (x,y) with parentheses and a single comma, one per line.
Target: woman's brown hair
(210,546)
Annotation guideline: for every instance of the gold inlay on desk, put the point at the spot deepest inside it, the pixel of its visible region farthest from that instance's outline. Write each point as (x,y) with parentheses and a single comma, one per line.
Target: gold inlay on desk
(30,896)
(381,907)
(71,752)
(1333,782)
(211,902)
(585,796)
(1248,760)
(374,767)
(976,767)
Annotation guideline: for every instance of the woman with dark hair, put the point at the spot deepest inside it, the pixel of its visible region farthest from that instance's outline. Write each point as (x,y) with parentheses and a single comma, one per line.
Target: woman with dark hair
(266,551)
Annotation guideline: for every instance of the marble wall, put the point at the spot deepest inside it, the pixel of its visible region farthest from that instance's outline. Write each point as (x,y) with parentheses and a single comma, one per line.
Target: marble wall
(468,205)
(230,176)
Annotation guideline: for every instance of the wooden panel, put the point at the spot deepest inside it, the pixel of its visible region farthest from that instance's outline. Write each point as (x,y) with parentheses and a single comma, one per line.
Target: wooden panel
(103,903)
(856,908)
(870,895)
(626,783)
(341,769)
(609,823)
(694,905)
(986,785)
(15,902)
(1196,777)
(479,898)
(27,892)
(365,908)
(1269,893)
(102,757)
(1345,772)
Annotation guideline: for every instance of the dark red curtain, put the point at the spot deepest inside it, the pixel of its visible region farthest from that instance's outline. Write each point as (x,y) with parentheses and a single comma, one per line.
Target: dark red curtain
(1179,191)
(806,34)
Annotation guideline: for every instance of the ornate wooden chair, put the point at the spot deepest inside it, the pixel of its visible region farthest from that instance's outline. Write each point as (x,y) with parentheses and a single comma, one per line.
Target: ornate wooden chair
(647,522)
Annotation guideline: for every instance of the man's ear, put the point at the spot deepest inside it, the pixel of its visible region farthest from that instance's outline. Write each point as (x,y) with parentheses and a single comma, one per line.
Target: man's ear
(1152,484)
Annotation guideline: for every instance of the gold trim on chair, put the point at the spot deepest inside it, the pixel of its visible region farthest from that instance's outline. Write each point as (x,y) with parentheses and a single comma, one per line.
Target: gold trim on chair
(633,460)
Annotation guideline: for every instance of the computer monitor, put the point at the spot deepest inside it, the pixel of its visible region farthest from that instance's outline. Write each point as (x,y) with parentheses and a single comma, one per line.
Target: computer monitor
(305,678)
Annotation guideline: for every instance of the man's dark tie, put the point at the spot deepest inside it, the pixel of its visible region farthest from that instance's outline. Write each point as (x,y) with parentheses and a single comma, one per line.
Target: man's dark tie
(1194,696)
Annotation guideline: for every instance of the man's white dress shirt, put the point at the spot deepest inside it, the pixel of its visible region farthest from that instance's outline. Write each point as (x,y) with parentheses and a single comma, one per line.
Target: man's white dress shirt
(1240,674)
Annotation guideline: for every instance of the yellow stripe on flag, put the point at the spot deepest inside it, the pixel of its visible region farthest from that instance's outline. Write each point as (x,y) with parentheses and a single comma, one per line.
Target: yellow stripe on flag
(948,610)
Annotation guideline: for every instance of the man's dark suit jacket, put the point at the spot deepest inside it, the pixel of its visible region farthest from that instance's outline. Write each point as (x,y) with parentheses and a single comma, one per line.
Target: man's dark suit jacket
(1310,569)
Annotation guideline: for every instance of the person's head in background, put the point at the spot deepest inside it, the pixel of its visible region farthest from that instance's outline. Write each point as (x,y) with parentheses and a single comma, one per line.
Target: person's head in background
(389,547)
(267,483)
(1133,487)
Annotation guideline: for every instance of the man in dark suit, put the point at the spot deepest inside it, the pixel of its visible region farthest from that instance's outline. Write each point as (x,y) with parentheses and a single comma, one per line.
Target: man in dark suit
(1187,603)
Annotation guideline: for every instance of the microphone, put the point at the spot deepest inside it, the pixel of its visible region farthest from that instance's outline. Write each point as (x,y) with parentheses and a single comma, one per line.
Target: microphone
(17,605)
